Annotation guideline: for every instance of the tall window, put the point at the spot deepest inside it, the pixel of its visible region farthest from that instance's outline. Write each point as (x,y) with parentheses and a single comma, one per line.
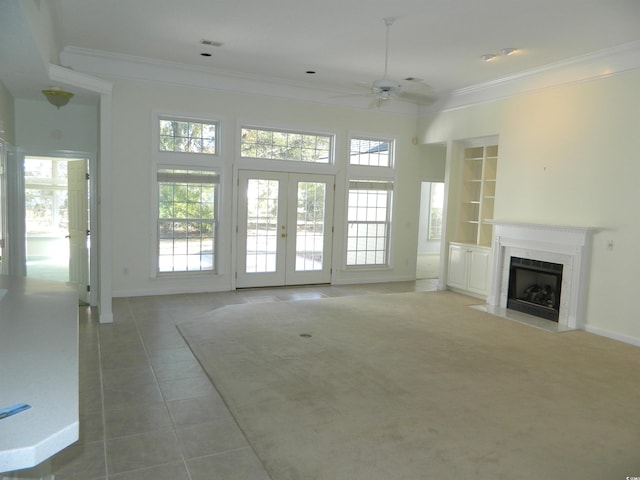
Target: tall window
(368,222)
(285,145)
(187,220)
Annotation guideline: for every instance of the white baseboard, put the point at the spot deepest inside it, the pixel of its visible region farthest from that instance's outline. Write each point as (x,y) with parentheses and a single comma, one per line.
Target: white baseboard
(613,335)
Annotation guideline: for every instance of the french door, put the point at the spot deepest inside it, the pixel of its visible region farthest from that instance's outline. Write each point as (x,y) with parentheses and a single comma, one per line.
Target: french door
(284,228)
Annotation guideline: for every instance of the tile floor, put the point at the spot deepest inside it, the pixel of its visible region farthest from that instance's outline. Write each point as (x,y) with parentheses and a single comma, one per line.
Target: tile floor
(147,409)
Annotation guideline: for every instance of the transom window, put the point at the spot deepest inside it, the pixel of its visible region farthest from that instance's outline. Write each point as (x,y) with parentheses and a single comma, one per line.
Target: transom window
(286,145)
(371,152)
(188,136)
(368,222)
(187,220)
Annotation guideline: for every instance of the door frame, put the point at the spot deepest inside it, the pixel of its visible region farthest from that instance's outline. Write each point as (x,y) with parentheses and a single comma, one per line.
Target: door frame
(19,237)
(237,251)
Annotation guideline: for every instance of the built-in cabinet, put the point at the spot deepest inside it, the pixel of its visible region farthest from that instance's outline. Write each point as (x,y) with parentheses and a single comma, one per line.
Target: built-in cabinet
(470,252)
(469,268)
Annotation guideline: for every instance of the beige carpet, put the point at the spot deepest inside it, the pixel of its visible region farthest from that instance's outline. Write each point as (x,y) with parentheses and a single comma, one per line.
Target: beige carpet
(419,386)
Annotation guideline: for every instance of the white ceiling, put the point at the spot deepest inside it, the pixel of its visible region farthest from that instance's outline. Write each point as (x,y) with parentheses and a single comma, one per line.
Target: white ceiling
(343,41)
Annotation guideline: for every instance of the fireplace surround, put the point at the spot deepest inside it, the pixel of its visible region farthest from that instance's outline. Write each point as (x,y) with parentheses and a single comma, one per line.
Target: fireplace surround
(567,246)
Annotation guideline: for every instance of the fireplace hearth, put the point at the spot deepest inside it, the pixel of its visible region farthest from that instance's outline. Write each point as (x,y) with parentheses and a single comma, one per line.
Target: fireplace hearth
(535,287)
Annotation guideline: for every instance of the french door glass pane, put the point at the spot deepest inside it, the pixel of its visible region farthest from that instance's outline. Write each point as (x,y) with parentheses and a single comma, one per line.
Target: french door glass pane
(310,226)
(262,225)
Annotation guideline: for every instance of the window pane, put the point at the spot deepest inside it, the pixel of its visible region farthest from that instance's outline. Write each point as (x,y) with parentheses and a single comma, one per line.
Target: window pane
(186,220)
(310,226)
(369,152)
(187,136)
(262,228)
(284,145)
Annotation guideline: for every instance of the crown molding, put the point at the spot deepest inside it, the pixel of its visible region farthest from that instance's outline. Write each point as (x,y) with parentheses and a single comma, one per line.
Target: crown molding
(101,63)
(66,76)
(600,64)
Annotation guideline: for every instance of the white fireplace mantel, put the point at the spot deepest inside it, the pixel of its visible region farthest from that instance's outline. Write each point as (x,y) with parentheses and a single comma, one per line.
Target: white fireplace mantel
(566,245)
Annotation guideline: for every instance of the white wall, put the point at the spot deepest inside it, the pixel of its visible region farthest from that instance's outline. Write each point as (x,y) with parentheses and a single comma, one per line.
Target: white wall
(42,128)
(134,221)
(569,156)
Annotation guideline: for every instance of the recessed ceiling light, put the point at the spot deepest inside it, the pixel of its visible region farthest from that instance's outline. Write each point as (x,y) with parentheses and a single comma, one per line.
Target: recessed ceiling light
(509,51)
(211,43)
(310,72)
(487,57)
(205,54)
(414,79)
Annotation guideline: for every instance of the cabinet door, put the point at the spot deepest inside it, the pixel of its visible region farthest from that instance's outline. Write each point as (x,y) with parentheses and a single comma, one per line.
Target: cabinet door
(457,274)
(479,271)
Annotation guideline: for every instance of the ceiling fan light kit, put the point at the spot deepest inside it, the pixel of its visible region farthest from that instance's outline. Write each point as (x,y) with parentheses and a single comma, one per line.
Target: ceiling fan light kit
(385,88)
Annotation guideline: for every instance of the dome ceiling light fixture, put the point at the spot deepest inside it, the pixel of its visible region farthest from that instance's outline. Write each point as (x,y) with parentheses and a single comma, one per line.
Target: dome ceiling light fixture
(57,96)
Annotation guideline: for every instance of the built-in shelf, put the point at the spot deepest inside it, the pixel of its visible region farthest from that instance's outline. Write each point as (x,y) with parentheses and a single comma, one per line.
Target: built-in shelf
(477,194)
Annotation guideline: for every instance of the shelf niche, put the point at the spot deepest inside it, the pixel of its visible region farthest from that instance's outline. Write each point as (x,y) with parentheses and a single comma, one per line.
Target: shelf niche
(477,194)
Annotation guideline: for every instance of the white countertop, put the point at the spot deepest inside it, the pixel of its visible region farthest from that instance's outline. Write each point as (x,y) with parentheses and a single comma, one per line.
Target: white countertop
(38,366)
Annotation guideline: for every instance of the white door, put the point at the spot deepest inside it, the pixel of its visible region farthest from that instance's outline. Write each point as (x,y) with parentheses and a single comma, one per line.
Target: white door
(285,223)
(77,186)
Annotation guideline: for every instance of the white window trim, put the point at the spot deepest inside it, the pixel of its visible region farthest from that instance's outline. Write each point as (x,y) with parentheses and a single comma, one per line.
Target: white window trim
(182,117)
(379,170)
(371,173)
(390,215)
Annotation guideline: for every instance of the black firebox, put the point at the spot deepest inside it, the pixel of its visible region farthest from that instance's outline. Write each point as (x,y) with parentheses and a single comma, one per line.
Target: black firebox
(534,287)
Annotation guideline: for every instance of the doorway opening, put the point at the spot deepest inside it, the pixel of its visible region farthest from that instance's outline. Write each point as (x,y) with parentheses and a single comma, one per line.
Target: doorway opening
(57,211)
(430,230)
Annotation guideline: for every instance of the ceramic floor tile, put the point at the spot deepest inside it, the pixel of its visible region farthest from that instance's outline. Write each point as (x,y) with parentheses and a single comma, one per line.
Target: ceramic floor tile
(186,388)
(80,461)
(135,452)
(134,394)
(124,377)
(90,398)
(91,427)
(136,419)
(177,370)
(197,410)
(155,341)
(236,465)
(124,358)
(174,471)
(220,435)
(171,355)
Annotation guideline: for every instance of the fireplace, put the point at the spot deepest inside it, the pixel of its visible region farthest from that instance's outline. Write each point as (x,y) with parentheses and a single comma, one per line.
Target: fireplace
(535,287)
(562,252)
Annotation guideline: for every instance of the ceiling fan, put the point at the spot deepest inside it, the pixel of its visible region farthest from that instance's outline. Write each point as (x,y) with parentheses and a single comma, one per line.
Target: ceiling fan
(385,88)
